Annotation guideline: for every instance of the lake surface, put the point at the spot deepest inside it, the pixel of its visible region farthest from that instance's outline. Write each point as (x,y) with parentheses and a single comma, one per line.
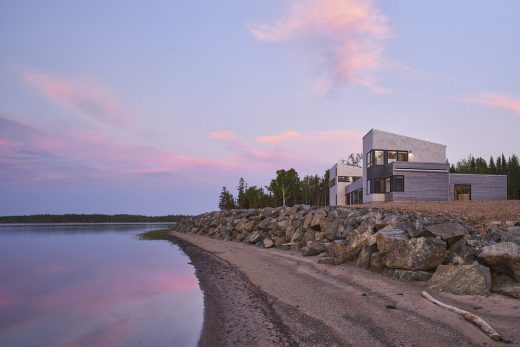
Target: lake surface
(95,285)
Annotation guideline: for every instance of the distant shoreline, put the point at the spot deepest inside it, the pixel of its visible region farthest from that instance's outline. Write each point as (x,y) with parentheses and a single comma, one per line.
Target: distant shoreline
(94,223)
(74,218)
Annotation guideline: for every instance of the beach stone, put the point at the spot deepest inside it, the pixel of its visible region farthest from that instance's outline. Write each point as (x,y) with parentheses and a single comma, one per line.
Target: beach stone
(503,257)
(314,249)
(462,279)
(449,232)
(268,243)
(422,253)
(505,285)
(407,275)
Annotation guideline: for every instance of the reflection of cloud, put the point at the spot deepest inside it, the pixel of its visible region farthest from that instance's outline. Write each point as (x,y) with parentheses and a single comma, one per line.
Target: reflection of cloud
(84,95)
(345,37)
(495,100)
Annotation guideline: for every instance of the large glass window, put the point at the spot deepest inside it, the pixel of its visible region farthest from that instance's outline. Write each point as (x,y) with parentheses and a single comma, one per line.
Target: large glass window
(397,184)
(369,159)
(387,185)
(392,156)
(344,179)
(379,157)
(402,156)
(379,185)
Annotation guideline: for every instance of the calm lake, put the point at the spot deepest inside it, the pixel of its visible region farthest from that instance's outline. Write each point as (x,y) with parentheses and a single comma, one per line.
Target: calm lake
(95,285)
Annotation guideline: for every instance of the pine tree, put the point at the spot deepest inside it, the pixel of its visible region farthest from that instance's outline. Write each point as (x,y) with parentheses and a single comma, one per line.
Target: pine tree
(504,165)
(499,165)
(226,200)
(241,198)
(492,169)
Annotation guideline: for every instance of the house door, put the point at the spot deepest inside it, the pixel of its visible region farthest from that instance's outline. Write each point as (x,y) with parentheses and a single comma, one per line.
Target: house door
(462,191)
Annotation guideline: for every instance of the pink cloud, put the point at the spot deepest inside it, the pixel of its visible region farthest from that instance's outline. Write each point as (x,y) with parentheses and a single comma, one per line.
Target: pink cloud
(495,100)
(346,39)
(222,135)
(3,142)
(83,94)
(278,138)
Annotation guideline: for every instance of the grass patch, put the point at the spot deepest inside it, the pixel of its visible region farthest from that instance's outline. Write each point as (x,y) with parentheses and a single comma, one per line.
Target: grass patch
(162,234)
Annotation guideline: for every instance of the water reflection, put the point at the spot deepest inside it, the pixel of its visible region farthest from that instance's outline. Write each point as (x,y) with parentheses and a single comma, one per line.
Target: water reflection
(79,286)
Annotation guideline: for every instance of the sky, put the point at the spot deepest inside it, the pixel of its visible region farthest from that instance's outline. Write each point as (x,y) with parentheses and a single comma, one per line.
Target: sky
(150,107)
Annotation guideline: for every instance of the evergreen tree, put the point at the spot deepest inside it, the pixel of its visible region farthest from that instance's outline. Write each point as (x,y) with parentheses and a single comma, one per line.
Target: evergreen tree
(226,200)
(241,198)
(492,169)
(499,165)
(504,165)
(513,178)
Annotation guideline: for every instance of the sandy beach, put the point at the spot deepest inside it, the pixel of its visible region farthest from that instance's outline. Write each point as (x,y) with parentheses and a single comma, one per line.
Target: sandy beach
(265,297)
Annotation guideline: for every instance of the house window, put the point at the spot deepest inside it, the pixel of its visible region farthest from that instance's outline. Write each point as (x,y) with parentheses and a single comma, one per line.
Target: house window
(344,179)
(379,185)
(379,157)
(369,191)
(402,156)
(397,184)
(387,185)
(369,159)
(392,156)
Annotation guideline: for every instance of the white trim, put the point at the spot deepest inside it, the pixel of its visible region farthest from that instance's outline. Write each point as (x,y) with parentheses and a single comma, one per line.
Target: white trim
(421,170)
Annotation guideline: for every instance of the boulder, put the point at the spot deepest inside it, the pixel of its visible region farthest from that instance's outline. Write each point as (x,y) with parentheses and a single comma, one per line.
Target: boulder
(505,285)
(253,238)
(359,238)
(266,212)
(327,260)
(297,236)
(264,225)
(268,243)
(318,219)
(314,249)
(407,275)
(388,239)
(340,251)
(363,260)
(460,253)
(449,232)
(503,257)
(376,262)
(462,279)
(422,253)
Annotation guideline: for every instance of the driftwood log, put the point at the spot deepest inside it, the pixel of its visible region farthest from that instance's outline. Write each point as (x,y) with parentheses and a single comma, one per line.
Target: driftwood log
(473,318)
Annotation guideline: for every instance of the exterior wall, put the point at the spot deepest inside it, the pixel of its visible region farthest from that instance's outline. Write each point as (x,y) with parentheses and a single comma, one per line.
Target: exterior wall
(483,187)
(337,192)
(422,186)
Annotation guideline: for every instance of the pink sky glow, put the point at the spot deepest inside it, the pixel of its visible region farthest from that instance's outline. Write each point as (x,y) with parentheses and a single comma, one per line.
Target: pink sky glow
(495,100)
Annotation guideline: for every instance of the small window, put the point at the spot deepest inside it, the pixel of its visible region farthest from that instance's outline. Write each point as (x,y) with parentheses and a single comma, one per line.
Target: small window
(402,156)
(392,156)
(397,184)
(387,185)
(379,157)
(379,185)
(369,159)
(344,179)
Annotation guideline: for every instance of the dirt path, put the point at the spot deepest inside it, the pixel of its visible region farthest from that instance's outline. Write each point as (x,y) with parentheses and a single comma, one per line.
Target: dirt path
(257,296)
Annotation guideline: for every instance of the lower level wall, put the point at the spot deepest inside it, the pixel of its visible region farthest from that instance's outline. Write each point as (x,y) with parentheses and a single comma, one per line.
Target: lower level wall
(483,187)
(422,186)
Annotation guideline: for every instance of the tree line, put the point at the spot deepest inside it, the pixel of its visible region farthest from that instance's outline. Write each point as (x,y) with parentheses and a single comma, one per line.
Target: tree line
(90,218)
(286,189)
(500,166)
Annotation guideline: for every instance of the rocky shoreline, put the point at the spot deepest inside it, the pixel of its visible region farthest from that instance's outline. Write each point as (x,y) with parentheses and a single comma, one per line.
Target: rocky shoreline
(450,254)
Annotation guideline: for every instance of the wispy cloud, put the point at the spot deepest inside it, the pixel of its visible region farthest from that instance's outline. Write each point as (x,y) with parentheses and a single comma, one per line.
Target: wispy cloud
(278,138)
(495,100)
(222,135)
(83,94)
(346,39)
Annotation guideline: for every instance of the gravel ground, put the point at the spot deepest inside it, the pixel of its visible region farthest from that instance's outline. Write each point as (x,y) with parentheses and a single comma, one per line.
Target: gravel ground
(475,213)
(266,297)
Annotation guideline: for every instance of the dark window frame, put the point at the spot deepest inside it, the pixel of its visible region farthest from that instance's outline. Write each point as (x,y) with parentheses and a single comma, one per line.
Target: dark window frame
(379,188)
(393,183)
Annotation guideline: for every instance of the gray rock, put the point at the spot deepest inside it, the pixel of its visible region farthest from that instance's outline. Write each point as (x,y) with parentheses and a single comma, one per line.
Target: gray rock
(314,249)
(505,285)
(503,257)
(449,232)
(363,260)
(359,238)
(462,279)
(318,219)
(460,253)
(514,230)
(328,261)
(297,236)
(340,251)
(407,275)
(266,212)
(513,223)
(376,262)
(264,225)
(388,239)
(253,238)
(423,253)
(268,243)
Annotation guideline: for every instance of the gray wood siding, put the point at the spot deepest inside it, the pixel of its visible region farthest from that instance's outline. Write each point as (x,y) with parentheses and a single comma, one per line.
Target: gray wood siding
(422,186)
(483,187)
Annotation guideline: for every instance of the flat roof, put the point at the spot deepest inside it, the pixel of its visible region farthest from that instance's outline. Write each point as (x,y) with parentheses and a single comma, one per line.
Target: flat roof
(408,137)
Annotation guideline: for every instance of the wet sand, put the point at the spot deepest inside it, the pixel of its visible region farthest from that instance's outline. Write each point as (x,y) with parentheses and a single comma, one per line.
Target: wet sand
(267,297)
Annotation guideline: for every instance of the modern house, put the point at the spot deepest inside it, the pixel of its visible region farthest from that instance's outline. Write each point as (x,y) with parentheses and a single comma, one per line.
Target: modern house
(341,175)
(402,168)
